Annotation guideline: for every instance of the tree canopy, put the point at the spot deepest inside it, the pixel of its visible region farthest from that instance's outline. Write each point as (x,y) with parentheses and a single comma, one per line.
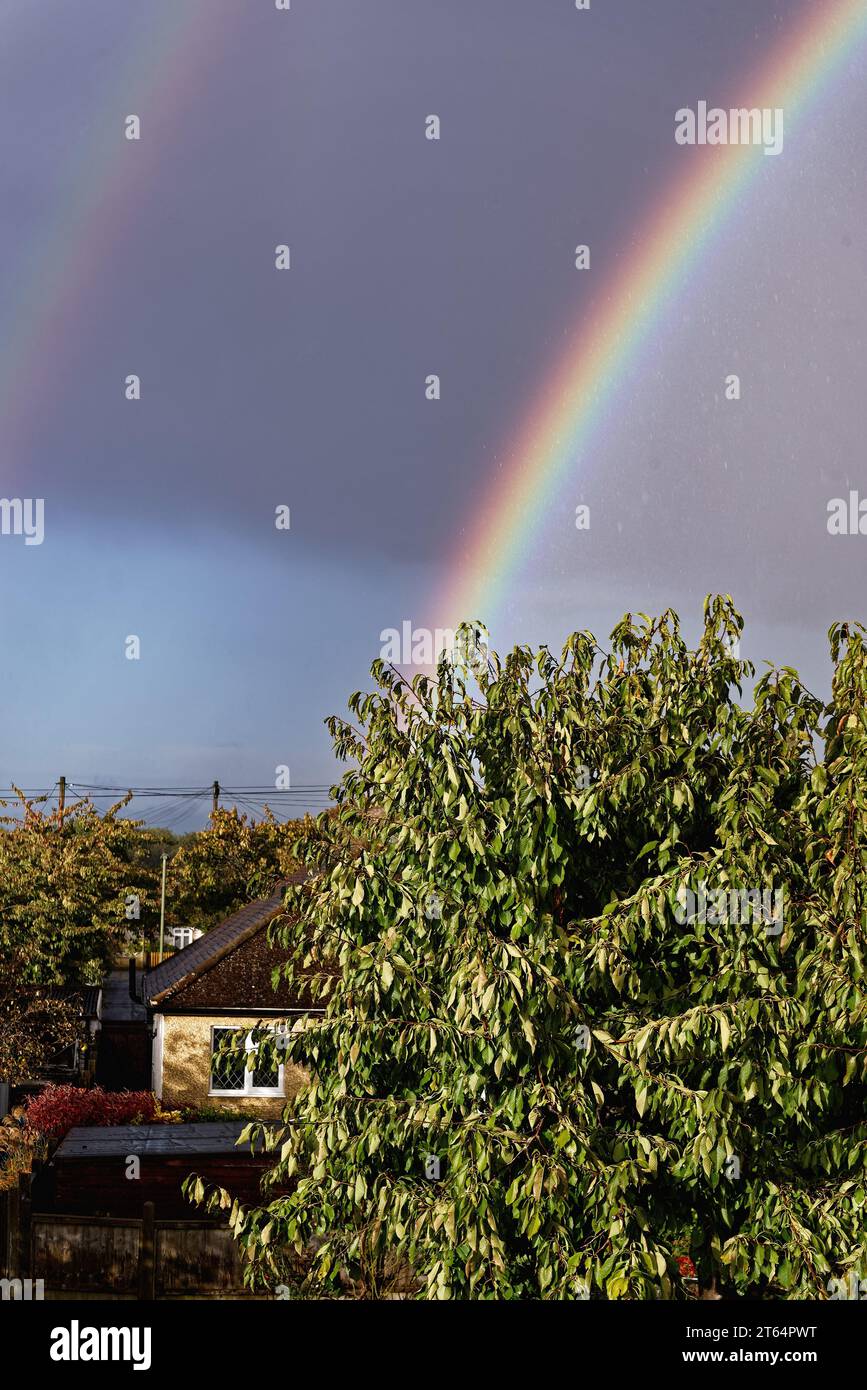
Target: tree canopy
(589,935)
(229,863)
(64,890)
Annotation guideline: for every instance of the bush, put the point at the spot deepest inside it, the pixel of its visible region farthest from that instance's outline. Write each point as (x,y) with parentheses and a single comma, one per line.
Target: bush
(58,1109)
(19,1147)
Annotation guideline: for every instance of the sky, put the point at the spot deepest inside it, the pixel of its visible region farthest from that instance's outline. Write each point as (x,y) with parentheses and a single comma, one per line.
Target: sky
(306,388)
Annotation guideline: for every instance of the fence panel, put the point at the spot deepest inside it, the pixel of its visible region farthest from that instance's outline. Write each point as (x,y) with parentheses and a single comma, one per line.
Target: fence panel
(192,1257)
(123,1257)
(89,1255)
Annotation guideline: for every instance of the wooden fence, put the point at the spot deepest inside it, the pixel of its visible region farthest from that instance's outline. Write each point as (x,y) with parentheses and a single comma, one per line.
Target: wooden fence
(145,959)
(116,1257)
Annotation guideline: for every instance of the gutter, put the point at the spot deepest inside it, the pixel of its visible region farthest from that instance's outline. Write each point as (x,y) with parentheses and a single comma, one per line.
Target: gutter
(243,1011)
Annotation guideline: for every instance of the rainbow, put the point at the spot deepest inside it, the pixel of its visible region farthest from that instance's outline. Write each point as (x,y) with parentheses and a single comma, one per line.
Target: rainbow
(557,432)
(166,63)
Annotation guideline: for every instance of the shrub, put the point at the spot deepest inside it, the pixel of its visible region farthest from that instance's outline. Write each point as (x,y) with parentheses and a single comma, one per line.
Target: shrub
(19,1147)
(58,1109)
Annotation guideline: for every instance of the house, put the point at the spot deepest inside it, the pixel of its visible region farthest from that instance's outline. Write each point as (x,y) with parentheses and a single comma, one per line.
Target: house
(207,991)
(183,936)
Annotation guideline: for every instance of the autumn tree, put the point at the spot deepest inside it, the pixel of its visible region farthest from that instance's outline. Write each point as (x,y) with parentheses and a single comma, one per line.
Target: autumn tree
(231,862)
(66,888)
(589,936)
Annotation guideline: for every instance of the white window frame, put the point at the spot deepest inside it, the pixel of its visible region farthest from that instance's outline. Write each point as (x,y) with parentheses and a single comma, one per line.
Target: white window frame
(248,1089)
(178,933)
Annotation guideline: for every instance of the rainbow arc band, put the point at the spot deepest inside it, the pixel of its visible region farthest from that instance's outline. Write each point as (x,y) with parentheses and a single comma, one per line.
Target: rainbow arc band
(558,430)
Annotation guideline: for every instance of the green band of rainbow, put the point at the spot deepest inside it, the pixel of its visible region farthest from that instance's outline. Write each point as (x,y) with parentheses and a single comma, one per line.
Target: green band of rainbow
(557,431)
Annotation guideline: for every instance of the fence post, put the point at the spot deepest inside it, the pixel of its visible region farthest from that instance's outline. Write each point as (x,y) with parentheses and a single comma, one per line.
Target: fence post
(13,1219)
(24,1269)
(147,1255)
(8,1199)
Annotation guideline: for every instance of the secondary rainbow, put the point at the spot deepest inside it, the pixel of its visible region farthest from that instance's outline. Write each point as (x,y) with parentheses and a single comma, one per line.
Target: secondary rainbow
(558,429)
(166,61)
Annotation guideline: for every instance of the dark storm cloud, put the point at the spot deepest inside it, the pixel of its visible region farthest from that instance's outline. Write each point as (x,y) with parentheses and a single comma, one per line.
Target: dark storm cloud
(306,388)
(409,257)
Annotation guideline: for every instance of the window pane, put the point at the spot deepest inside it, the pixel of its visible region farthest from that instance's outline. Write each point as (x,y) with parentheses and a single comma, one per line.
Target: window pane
(266,1071)
(227,1069)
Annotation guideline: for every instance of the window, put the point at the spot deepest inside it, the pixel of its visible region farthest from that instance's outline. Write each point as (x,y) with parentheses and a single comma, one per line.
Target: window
(234,1073)
(182,936)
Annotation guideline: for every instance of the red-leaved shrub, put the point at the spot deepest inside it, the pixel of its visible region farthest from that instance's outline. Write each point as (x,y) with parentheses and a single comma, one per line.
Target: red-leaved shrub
(57,1109)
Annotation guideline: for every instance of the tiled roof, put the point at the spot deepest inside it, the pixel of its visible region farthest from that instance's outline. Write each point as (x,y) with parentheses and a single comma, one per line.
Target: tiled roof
(90,1000)
(200,955)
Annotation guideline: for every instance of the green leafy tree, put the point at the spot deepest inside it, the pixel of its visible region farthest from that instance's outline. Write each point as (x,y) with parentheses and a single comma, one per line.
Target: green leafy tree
(230,863)
(591,935)
(64,894)
(64,890)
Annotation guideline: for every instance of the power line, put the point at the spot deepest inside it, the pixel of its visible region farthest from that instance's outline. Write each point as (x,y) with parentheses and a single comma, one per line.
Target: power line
(257,792)
(169,807)
(28,791)
(179,815)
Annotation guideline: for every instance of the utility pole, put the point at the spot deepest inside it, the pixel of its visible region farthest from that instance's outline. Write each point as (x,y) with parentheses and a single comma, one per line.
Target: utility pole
(163,907)
(216,806)
(61,800)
